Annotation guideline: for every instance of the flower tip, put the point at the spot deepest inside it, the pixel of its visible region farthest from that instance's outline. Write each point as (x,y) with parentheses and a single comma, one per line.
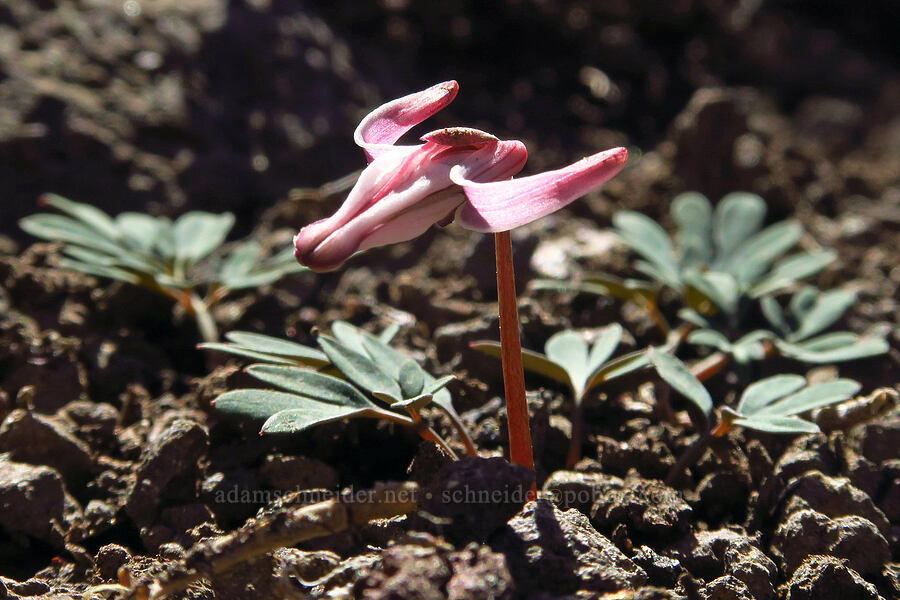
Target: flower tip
(43,200)
(450,87)
(618,155)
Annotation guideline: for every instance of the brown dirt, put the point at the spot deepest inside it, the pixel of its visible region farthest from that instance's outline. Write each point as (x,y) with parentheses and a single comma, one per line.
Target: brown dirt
(110,454)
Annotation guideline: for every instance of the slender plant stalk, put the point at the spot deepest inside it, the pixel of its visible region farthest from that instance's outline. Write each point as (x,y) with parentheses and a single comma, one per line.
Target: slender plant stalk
(574,454)
(205,321)
(520,451)
(713,364)
(463,433)
(419,425)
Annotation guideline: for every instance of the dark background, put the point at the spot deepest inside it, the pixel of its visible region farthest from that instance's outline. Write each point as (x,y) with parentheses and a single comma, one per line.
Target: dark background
(218,105)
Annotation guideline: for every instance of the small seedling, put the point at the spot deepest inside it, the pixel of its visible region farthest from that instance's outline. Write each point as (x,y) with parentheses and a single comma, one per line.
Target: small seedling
(798,333)
(170,258)
(720,262)
(364,378)
(810,312)
(569,360)
(771,405)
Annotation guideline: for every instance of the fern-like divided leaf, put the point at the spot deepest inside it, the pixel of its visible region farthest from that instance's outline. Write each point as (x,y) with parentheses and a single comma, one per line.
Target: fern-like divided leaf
(366,379)
(809,313)
(154,251)
(719,260)
(774,404)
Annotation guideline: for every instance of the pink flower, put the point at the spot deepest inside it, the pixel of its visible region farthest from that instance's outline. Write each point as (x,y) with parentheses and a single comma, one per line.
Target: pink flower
(457,174)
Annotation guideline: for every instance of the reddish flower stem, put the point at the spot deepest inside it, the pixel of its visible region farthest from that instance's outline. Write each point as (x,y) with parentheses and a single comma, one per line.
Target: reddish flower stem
(520,451)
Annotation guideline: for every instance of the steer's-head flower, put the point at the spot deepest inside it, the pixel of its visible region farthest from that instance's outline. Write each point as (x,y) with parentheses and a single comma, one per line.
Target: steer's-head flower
(458,174)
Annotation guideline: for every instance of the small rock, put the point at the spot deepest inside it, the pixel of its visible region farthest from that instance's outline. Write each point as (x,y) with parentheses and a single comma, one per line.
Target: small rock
(34,502)
(425,573)
(453,339)
(479,574)
(852,538)
(661,570)
(297,473)
(726,587)
(645,505)
(798,460)
(834,497)
(890,499)
(710,554)
(305,565)
(578,490)
(557,257)
(878,441)
(478,494)
(32,587)
(560,553)
(828,578)
(94,420)
(750,565)
(99,516)
(172,458)
(41,440)
(109,559)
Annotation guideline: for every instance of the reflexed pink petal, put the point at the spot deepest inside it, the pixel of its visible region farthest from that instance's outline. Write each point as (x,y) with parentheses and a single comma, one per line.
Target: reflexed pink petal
(504,205)
(383,126)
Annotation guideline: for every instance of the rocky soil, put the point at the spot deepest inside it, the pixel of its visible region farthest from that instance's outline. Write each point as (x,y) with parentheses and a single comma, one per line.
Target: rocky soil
(111,455)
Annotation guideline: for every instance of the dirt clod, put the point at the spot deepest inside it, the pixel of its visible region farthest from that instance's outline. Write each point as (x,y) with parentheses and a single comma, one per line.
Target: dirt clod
(646,506)
(855,539)
(559,552)
(828,578)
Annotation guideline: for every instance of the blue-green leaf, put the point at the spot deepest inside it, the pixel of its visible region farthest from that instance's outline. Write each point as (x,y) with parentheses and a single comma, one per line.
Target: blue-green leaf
(266,344)
(617,367)
(693,214)
(607,341)
(310,384)
(651,241)
(411,379)
(709,337)
(246,353)
(823,394)
(312,414)
(825,311)
(196,234)
(569,350)
(778,424)
(791,269)
(259,404)
(676,374)
(91,216)
(762,393)
(738,216)
(358,368)
(754,257)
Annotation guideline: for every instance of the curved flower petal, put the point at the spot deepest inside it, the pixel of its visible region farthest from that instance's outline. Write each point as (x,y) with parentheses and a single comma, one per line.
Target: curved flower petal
(504,205)
(490,162)
(372,181)
(378,131)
